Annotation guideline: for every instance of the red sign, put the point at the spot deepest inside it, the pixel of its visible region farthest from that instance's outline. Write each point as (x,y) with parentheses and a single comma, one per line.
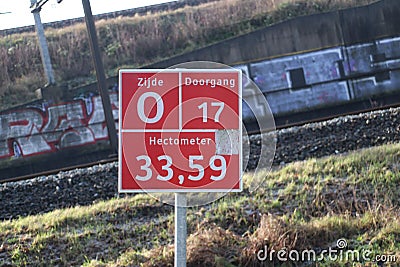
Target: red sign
(180,130)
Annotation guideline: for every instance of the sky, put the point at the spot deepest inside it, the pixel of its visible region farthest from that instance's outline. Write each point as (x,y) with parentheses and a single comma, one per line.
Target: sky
(20,13)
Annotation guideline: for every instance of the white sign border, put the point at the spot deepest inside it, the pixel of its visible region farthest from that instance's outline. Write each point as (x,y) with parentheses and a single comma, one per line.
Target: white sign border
(120,130)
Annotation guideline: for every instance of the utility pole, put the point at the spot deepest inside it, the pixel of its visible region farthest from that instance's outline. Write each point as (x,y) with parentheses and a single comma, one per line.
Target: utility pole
(98,63)
(44,50)
(101,77)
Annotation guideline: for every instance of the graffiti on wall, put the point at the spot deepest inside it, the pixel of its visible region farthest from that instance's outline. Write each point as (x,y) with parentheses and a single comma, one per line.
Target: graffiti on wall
(291,83)
(330,76)
(43,129)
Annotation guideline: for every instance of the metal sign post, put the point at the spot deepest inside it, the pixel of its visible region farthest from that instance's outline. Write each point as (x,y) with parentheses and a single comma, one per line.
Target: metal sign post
(180,229)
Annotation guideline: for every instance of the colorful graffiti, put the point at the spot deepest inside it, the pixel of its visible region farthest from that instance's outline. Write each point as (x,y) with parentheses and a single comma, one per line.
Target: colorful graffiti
(42,129)
(290,84)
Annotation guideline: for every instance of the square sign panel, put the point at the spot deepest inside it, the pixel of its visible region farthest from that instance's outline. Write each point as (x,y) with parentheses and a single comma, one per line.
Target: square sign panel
(180,130)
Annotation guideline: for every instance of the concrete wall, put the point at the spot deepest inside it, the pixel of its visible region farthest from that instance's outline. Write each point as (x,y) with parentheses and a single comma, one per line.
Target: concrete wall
(345,55)
(375,21)
(299,35)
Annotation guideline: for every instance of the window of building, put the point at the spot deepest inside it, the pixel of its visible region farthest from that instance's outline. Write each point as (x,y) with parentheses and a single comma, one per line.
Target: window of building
(296,78)
(377,57)
(382,76)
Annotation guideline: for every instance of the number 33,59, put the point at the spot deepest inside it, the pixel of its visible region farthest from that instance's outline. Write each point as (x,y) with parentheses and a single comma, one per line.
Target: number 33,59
(148,173)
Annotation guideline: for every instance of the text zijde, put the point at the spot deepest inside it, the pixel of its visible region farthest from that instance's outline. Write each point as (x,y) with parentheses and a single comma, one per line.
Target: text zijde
(150,82)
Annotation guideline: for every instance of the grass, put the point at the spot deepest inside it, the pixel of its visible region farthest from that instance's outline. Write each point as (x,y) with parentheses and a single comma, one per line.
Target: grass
(139,40)
(303,206)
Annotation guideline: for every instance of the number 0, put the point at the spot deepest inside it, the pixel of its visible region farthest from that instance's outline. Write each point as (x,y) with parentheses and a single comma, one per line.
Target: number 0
(160,107)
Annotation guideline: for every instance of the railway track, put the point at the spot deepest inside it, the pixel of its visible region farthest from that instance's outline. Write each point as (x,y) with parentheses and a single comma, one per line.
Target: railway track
(83,186)
(282,123)
(50,172)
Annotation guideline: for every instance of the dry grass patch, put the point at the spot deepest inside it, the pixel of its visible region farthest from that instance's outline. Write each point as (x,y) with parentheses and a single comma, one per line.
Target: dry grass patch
(140,40)
(206,247)
(276,233)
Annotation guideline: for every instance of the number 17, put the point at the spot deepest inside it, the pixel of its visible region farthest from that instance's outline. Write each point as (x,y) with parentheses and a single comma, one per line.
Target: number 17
(220,106)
